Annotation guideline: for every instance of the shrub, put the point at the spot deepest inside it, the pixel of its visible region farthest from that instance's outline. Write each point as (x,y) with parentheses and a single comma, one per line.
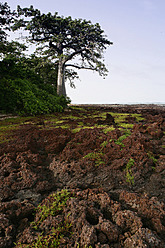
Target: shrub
(23,97)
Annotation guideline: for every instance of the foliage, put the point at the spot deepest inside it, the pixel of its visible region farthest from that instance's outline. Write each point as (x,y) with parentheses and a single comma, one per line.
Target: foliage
(22,97)
(126,125)
(129,175)
(62,39)
(138,117)
(151,156)
(96,157)
(43,67)
(126,134)
(64,35)
(104,144)
(23,89)
(120,139)
(28,85)
(6,18)
(108,129)
(53,207)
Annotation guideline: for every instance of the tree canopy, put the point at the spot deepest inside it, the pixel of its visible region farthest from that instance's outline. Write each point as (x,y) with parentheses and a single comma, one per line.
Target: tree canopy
(6,17)
(63,40)
(35,83)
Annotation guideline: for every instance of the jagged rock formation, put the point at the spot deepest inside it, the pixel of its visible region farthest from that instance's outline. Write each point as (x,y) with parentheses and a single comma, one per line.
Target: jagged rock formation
(115,176)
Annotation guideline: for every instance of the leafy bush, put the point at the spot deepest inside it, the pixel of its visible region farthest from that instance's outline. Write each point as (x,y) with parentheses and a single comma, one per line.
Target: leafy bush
(23,97)
(23,90)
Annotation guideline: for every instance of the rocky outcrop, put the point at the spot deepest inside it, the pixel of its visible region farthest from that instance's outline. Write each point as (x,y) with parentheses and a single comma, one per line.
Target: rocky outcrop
(116,181)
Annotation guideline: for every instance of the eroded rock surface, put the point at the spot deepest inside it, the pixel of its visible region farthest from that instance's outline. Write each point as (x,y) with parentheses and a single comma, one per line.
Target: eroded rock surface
(115,174)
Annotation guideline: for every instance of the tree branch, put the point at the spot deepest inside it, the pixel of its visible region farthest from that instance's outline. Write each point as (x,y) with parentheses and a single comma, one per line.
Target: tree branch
(40,39)
(81,67)
(69,57)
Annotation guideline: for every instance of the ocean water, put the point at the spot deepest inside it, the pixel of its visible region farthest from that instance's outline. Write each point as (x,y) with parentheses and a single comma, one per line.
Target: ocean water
(162,104)
(144,103)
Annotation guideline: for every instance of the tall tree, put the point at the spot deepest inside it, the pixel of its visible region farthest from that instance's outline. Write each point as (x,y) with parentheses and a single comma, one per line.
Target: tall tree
(65,40)
(6,19)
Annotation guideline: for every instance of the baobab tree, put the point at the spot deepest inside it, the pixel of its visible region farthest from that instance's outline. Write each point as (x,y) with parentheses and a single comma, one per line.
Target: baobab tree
(69,43)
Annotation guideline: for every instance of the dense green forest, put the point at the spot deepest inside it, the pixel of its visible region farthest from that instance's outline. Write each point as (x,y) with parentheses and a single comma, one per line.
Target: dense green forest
(28,83)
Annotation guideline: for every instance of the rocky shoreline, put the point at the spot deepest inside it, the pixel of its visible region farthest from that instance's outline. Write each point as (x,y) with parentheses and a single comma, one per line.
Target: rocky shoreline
(82,179)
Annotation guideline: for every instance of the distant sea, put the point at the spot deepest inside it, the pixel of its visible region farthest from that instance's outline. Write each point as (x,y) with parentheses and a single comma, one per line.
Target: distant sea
(144,103)
(122,103)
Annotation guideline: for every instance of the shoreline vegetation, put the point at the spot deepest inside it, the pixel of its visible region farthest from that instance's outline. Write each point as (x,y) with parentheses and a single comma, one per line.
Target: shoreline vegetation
(102,105)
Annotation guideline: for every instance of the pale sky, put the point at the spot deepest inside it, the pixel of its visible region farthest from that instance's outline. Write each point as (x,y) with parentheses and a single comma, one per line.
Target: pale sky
(136,61)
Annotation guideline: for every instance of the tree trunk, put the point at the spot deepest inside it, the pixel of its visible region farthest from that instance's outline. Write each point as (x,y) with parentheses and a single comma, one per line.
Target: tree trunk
(61,91)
